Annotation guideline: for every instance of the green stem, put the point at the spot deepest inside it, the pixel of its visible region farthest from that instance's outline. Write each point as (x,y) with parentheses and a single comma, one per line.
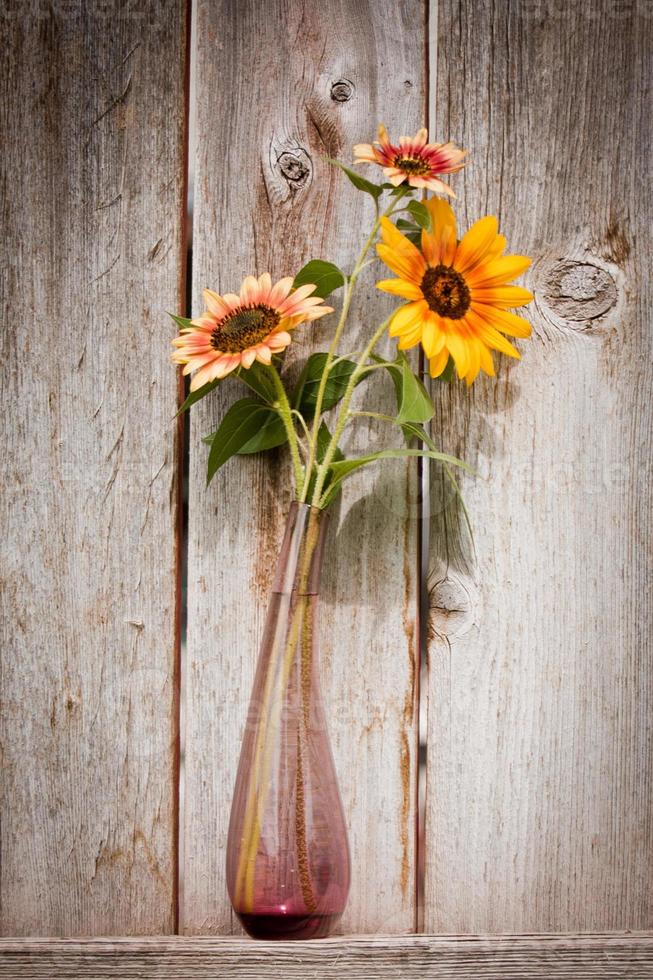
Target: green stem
(343,414)
(285,413)
(300,419)
(350,284)
(373,415)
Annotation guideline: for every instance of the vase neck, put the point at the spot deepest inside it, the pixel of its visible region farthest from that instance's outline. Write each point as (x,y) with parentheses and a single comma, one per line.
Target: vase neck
(300,561)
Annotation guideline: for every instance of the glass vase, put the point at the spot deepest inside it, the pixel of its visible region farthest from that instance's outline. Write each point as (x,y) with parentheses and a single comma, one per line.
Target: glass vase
(287,850)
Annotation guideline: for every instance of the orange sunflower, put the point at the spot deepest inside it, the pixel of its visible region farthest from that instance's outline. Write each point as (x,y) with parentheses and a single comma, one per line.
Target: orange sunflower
(414,160)
(238,330)
(459,292)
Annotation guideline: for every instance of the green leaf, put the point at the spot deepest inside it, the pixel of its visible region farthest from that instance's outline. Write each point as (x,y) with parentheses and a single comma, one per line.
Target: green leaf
(413,401)
(343,468)
(195,396)
(323,440)
(420,214)
(305,395)
(259,380)
(324,275)
(412,430)
(182,322)
(359,182)
(271,434)
(241,423)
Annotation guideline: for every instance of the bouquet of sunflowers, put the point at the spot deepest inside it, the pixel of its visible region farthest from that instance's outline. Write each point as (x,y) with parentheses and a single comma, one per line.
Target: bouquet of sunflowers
(456,299)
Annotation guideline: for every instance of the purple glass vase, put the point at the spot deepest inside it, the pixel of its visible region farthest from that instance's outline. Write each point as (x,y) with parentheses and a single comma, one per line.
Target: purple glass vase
(287,851)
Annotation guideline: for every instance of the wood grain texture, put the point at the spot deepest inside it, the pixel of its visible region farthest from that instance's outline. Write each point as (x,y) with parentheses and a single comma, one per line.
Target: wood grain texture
(272,80)
(92,195)
(540,762)
(598,957)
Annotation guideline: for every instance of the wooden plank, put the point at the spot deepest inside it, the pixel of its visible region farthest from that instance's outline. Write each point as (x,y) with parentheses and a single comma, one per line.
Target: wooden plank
(599,957)
(92,196)
(540,761)
(271,83)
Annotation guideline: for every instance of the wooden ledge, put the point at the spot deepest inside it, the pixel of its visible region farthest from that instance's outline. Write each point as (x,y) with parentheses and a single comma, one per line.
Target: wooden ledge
(617,956)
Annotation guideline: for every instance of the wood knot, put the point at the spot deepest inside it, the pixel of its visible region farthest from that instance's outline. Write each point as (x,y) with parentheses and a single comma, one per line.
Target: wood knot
(342,90)
(452,605)
(579,292)
(295,168)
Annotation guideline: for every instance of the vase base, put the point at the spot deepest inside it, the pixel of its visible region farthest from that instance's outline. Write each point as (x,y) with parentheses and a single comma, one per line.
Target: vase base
(280,927)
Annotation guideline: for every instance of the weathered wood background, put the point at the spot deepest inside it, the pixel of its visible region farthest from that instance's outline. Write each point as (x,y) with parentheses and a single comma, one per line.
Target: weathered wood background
(92,203)
(540,692)
(539,686)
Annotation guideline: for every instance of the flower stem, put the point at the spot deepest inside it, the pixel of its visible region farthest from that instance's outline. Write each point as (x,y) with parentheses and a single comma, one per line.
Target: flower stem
(343,414)
(350,285)
(285,413)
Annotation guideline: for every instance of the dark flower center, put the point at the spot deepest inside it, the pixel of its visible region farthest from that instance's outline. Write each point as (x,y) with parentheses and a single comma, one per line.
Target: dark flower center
(446,292)
(244,328)
(416,168)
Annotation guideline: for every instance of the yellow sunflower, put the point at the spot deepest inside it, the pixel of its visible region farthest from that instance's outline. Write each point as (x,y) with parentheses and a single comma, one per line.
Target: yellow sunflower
(459,292)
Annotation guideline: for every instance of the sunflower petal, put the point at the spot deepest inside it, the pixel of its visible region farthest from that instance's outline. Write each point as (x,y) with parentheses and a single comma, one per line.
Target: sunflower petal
(279,340)
(441,240)
(383,135)
(249,291)
(498,270)
(458,350)
(215,303)
(438,186)
(489,335)
(405,317)
(496,250)
(203,376)
(487,364)
(475,243)
(432,338)
(474,352)
(232,300)
(280,291)
(264,286)
(505,297)
(391,236)
(399,287)
(364,153)
(408,340)
(402,264)
(510,323)
(263,354)
(438,363)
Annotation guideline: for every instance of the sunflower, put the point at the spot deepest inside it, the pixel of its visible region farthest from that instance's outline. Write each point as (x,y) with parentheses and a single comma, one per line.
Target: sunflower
(414,160)
(459,292)
(238,330)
